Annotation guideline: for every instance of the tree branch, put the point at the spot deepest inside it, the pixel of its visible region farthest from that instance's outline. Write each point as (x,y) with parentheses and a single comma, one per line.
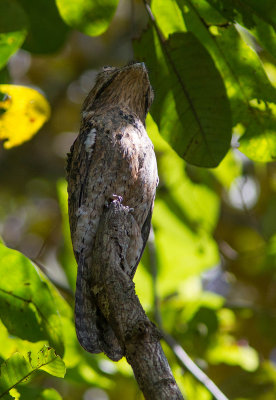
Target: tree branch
(115,295)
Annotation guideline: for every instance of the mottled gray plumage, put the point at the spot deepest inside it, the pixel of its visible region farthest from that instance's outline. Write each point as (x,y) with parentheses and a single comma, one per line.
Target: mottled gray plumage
(112,155)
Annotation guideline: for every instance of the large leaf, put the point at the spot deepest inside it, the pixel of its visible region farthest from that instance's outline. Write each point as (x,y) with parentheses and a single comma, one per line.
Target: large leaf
(191,108)
(19,368)
(179,249)
(88,16)
(47,31)
(26,110)
(184,217)
(247,85)
(13,29)
(27,306)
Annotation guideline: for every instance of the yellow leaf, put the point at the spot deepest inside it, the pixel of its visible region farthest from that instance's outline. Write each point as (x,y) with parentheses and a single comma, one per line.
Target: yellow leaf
(24,111)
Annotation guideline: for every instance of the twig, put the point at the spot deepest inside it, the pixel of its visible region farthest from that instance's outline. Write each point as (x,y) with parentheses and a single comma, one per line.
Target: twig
(183,359)
(152,18)
(115,296)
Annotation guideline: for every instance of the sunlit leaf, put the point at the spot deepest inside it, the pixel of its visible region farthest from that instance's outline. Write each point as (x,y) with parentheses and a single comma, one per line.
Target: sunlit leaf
(13,29)
(169,16)
(14,393)
(49,394)
(199,210)
(91,17)
(27,307)
(191,108)
(267,59)
(269,65)
(12,344)
(190,386)
(184,217)
(49,361)
(73,352)
(228,352)
(187,252)
(28,392)
(19,368)
(46,31)
(85,372)
(143,286)
(26,110)
(228,170)
(259,143)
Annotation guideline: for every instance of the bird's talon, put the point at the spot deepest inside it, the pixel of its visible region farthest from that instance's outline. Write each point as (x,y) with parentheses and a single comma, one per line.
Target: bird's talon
(118,198)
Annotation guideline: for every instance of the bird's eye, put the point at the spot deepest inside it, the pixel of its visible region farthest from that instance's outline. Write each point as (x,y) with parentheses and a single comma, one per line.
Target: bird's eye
(131,63)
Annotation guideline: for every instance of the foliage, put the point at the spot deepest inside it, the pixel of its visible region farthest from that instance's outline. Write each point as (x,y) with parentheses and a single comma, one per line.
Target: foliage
(209,271)
(24,111)
(18,368)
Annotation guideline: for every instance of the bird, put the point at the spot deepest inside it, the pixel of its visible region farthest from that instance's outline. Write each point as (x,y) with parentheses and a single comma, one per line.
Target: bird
(112,156)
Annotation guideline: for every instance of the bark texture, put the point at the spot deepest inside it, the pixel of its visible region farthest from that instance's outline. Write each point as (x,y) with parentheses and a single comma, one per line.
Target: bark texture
(114,293)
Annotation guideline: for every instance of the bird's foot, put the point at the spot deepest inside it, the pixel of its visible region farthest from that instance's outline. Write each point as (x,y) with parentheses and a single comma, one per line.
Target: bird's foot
(117,198)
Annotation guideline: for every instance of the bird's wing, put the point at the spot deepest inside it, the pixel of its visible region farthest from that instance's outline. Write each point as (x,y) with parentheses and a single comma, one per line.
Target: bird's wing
(90,183)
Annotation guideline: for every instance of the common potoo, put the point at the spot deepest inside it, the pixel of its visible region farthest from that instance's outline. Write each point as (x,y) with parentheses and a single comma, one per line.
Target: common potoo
(112,156)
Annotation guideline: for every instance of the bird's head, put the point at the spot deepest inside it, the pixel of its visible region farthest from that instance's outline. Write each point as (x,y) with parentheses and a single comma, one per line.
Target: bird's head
(128,87)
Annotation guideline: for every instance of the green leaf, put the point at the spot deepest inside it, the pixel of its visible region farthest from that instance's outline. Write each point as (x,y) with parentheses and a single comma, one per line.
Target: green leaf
(27,306)
(259,17)
(28,392)
(246,10)
(228,352)
(200,210)
(91,17)
(189,253)
(169,16)
(228,170)
(47,31)
(260,144)
(49,361)
(19,368)
(14,393)
(67,257)
(49,394)
(13,29)
(191,108)
(245,80)
(184,217)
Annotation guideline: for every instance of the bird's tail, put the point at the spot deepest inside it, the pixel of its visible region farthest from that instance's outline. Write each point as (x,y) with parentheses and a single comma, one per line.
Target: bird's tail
(93,331)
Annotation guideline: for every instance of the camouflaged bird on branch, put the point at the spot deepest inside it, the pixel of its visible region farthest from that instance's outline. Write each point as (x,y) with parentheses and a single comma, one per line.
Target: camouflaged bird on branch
(112,158)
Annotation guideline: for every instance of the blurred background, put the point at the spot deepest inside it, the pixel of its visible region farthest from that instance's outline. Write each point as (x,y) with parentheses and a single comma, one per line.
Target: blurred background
(214,246)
